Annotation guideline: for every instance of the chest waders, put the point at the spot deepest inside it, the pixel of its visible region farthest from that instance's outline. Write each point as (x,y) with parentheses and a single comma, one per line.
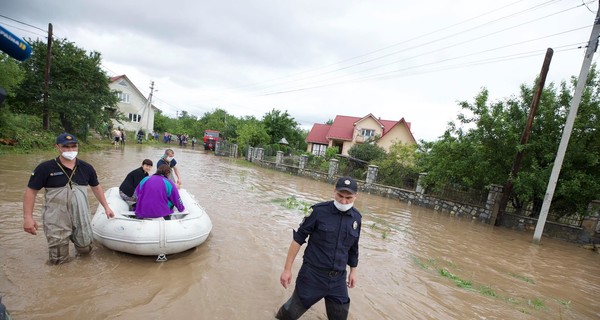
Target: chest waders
(66,217)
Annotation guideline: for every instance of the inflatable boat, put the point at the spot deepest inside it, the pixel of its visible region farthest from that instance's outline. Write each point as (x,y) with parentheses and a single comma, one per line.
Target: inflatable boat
(149,237)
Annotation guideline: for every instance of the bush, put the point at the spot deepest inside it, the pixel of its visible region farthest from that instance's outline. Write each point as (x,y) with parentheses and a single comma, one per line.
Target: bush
(26,130)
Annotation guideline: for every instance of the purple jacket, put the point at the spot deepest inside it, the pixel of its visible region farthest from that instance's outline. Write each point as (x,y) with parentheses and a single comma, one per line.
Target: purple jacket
(156,196)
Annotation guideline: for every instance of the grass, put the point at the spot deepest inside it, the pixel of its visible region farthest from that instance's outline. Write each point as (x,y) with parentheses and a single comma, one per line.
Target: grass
(524,305)
(520,277)
(292,203)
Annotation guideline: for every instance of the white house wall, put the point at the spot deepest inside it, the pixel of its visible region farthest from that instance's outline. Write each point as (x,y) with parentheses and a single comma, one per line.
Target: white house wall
(136,105)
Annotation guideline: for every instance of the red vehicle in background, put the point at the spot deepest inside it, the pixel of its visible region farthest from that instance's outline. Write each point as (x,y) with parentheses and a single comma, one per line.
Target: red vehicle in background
(211,137)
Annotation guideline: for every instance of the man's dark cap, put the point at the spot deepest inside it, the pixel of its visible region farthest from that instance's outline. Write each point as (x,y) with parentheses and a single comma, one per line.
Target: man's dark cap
(65,138)
(347,184)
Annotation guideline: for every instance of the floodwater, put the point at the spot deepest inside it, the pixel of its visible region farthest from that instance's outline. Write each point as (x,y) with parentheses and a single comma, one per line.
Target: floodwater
(415,263)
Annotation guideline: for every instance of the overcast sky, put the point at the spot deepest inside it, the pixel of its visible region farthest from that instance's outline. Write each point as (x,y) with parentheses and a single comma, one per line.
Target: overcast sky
(318,59)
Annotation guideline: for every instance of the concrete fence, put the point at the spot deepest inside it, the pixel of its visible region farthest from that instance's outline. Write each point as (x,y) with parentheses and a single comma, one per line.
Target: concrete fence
(589,232)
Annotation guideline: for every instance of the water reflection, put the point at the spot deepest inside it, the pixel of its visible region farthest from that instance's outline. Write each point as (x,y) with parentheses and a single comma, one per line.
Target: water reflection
(415,263)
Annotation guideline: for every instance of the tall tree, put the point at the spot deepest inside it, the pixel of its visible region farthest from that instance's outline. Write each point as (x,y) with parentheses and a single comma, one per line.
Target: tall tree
(78,93)
(10,74)
(251,132)
(479,149)
(281,125)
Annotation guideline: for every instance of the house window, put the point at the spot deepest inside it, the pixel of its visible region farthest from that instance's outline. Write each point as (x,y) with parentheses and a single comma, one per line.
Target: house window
(123,83)
(135,117)
(123,97)
(368,133)
(319,149)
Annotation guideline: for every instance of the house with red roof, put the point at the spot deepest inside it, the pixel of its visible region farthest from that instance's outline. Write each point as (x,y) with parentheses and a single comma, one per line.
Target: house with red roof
(346,131)
(138,110)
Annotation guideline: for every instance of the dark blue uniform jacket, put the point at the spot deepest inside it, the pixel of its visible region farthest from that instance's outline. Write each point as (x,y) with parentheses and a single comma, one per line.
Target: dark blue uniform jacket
(333,237)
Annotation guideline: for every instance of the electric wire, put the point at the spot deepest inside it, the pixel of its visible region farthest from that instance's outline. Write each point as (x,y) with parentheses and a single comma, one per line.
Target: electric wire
(447,47)
(21,22)
(382,76)
(435,41)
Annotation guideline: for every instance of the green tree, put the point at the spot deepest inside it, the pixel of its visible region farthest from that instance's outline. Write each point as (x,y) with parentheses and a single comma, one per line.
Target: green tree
(252,132)
(10,74)
(367,152)
(79,96)
(221,121)
(479,150)
(398,164)
(10,78)
(161,122)
(281,125)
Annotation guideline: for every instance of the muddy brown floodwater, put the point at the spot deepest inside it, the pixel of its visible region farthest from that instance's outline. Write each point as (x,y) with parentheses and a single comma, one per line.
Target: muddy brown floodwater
(415,263)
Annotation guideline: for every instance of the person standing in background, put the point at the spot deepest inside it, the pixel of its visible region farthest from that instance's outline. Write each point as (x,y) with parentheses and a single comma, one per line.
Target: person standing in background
(169,158)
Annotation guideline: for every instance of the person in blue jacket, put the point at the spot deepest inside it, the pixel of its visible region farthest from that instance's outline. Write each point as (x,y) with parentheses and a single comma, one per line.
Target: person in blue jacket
(333,231)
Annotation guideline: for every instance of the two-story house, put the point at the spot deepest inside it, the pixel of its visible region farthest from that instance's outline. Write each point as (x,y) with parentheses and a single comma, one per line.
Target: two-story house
(133,105)
(346,131)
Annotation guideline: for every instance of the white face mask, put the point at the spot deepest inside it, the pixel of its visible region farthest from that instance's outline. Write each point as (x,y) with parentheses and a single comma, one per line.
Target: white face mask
(169,158)
(343,207)
(69,155)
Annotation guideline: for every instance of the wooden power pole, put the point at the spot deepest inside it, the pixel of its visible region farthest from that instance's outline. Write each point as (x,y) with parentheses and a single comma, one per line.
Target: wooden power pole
(45,109)
(524,137)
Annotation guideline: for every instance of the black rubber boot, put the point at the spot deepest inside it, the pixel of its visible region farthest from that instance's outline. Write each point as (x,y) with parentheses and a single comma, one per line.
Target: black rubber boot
(83,250)
(336,311)
(292,309)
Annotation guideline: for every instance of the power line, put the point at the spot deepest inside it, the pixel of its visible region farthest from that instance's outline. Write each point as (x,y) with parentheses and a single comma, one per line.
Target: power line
(430,42)
(463,56)
(388,74)
(387,47)
(23,23)
(538,6)
(15,27)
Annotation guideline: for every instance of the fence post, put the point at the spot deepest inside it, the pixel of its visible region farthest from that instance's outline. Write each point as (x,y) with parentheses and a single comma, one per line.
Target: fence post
(492,205)
(420,188)
(590,223)
(249,156)
(234,151)
(333,167)
(259,154)
(371,175)
(279,158)
(303,161)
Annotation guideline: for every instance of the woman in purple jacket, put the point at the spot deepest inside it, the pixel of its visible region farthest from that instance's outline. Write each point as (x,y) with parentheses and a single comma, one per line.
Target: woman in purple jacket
(157,195)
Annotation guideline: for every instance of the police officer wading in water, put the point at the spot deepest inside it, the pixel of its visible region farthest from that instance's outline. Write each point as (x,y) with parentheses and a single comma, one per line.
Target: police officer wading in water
(65,213)
(333,231)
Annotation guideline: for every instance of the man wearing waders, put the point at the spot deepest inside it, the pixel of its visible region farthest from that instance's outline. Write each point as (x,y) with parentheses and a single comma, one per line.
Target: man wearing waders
(66,212)
(333,230)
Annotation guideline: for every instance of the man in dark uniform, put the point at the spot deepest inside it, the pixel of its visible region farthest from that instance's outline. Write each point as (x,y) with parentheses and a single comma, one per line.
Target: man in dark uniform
(333,231)
(65,213)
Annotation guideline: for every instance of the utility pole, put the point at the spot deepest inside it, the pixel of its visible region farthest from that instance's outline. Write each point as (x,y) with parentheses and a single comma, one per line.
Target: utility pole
(45,108)
(506,192)
(149,108)
(564,141)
